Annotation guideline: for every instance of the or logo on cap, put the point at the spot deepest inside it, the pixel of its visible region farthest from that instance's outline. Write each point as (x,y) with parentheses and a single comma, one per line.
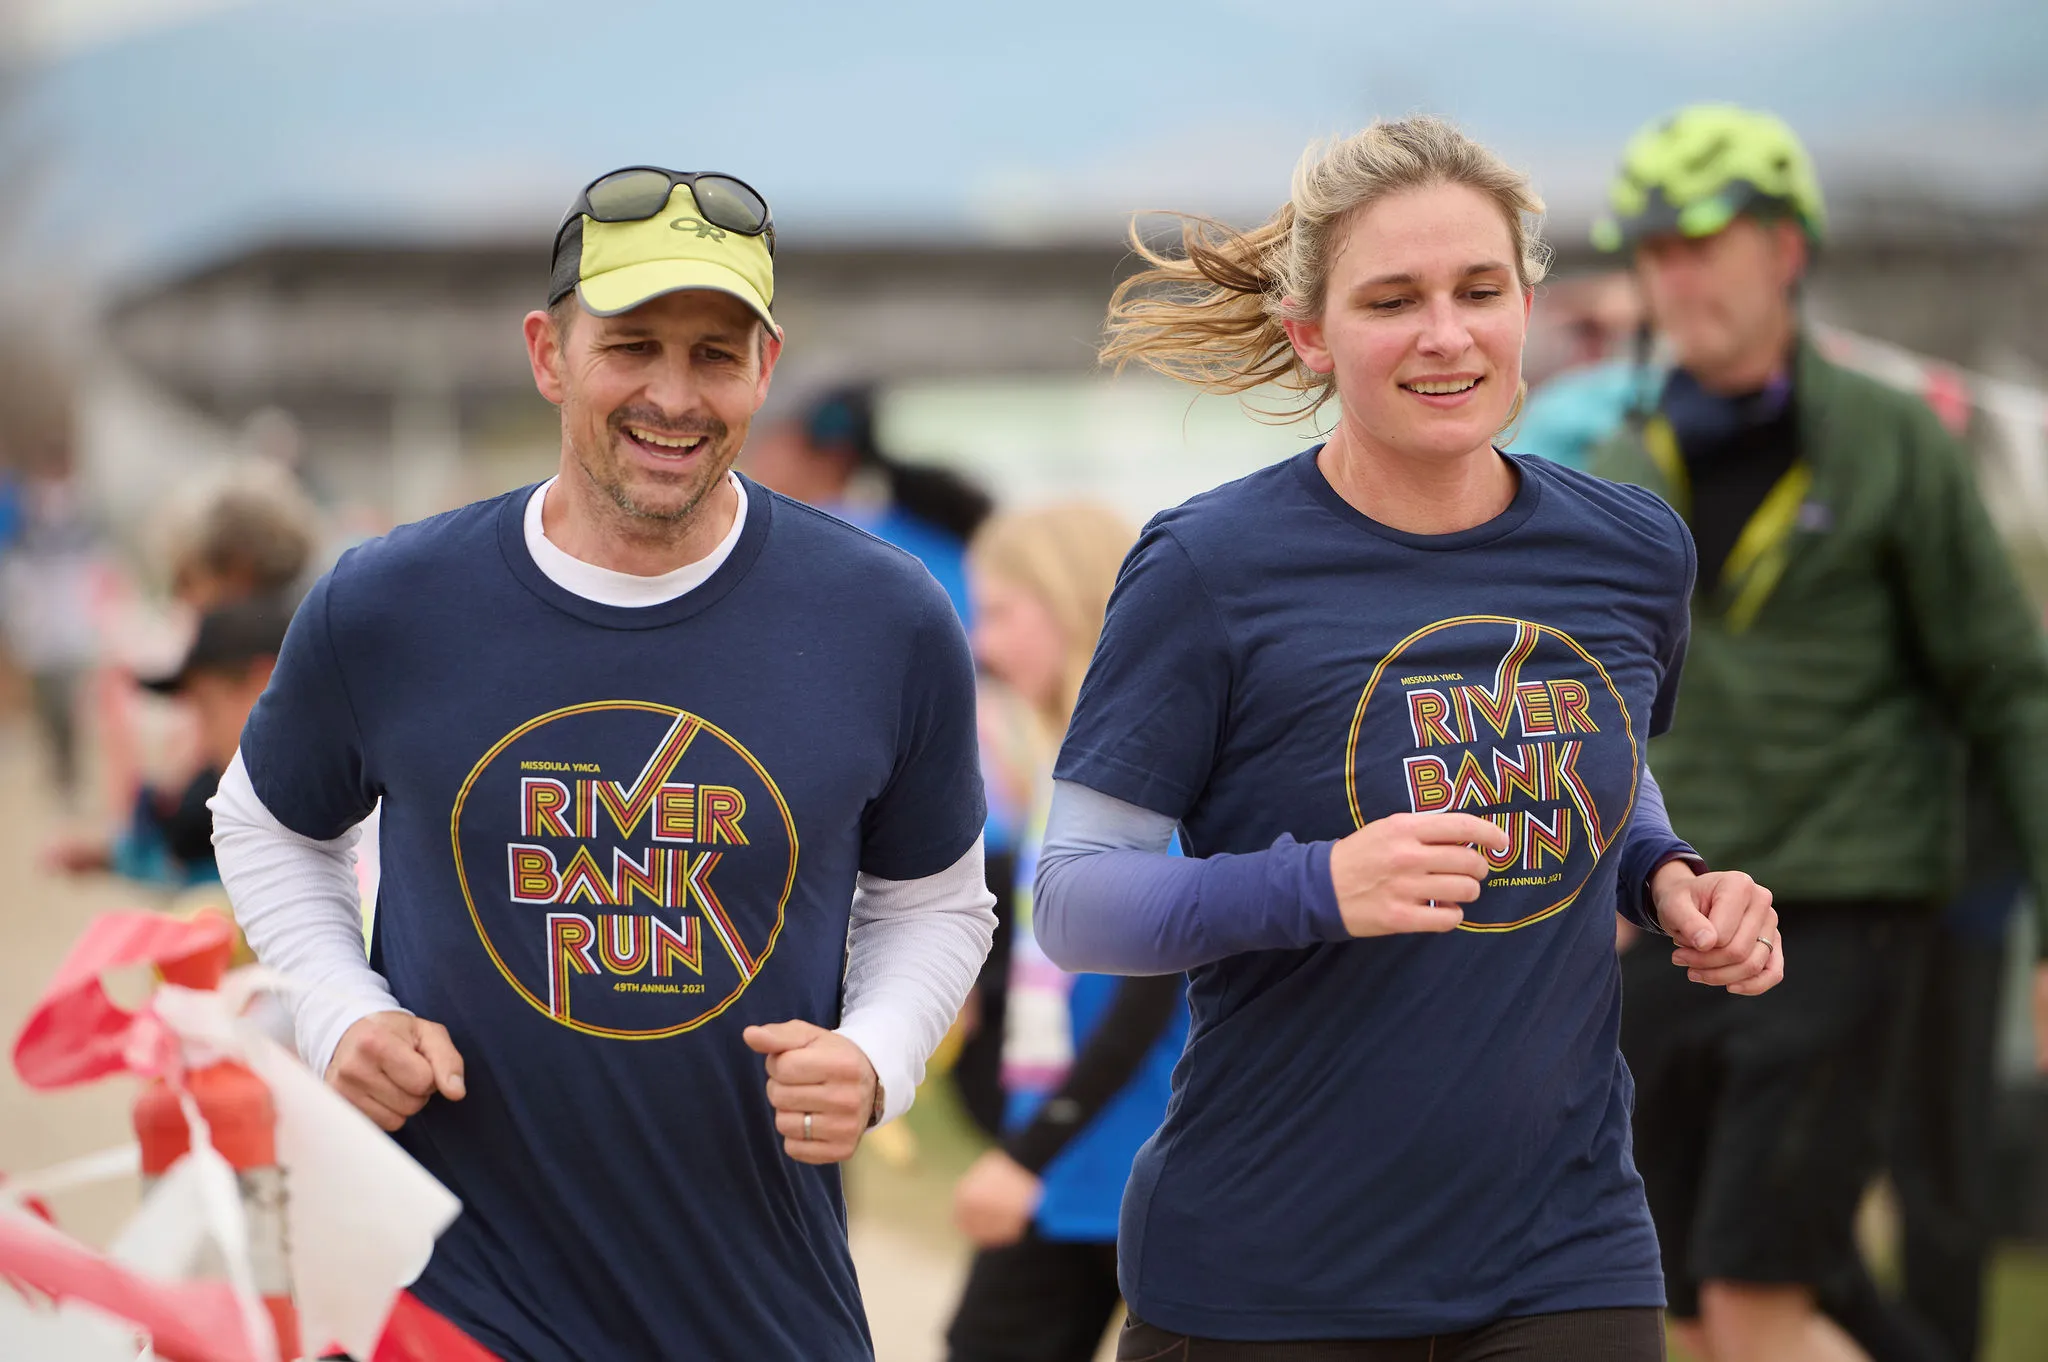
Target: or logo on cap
(699,226)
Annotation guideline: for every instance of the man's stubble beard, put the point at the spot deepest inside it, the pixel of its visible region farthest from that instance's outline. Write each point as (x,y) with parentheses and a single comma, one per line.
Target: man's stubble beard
(640,520)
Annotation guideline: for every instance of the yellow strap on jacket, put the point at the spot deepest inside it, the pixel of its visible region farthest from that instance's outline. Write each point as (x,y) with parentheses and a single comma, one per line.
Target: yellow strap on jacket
(1758,560)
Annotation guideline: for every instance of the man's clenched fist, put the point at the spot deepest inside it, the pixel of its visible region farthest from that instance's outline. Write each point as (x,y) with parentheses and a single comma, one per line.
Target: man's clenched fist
(389,1064)
(817,1074)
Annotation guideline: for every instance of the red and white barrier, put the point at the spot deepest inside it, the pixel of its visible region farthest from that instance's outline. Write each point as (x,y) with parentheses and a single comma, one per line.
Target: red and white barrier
(310,1218)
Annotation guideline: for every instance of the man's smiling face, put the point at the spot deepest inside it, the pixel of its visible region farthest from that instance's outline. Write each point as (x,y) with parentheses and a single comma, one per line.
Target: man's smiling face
(656,401)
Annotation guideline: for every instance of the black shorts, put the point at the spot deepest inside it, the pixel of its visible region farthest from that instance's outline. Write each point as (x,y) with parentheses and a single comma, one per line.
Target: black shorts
(1039,1300)
(1630,1335)
(1757,1122)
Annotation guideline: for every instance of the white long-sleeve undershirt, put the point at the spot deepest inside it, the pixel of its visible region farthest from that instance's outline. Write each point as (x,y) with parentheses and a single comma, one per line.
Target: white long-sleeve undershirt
(914,947)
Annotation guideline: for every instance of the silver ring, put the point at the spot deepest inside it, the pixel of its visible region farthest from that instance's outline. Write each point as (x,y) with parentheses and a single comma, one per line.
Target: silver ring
(807,1125)
(1768,943)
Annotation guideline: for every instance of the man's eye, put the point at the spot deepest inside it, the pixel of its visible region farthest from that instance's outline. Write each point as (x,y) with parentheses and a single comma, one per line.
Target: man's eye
(1389,304)
(634,347)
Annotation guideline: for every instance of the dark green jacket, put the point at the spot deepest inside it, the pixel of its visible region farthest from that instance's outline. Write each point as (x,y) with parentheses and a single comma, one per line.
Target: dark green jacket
(1870,630)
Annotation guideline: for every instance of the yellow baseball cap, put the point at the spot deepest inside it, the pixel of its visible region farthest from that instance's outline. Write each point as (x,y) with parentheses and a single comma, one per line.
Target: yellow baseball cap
(638,233)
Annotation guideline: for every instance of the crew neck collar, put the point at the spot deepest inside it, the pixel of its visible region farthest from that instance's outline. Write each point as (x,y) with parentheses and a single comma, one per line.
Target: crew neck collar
(753,534)
(1528,492)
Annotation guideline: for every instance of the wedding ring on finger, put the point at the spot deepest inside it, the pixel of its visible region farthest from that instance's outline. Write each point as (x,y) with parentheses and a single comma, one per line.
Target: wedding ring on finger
(807,1125)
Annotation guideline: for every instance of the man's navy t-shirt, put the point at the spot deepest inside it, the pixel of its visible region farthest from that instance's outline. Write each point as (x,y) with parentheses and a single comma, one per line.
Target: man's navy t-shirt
(612,838)
(1400,1135)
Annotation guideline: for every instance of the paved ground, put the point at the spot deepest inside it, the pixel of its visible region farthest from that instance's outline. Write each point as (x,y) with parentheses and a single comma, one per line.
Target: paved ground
(39,917)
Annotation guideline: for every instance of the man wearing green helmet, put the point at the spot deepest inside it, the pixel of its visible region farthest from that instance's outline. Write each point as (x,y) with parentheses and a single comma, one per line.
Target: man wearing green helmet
(1856,631)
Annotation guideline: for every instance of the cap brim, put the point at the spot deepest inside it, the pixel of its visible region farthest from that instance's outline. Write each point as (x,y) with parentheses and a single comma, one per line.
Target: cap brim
(627,287)
(1658,219)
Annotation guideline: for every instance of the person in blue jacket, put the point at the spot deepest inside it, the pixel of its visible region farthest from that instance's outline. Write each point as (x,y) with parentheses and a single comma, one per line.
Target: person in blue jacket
(1087,1059)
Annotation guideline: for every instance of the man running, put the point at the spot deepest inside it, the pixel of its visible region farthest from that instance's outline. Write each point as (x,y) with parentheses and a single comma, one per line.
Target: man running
(1854,611)
(677,775)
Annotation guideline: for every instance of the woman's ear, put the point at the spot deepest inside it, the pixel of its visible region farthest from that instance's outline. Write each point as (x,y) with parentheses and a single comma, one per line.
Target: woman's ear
(1307,339)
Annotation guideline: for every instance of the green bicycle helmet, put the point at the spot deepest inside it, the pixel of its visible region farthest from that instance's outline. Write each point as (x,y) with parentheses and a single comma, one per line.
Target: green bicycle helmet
(1699,169)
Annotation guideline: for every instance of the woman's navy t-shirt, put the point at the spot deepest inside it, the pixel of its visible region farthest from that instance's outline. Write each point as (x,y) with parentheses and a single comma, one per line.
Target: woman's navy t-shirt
(612,839)
(1414,1134)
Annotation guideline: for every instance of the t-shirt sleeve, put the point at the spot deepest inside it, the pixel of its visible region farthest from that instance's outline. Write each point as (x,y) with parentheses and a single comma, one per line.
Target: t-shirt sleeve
(933,806)
(1152,710)
(303,745)
(1678,627)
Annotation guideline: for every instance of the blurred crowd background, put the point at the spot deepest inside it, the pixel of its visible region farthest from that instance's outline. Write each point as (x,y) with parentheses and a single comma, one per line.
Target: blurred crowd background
(262,265)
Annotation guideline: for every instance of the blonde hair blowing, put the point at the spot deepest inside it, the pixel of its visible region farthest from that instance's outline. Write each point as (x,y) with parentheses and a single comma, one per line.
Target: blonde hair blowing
(1068,556)
(1212,315)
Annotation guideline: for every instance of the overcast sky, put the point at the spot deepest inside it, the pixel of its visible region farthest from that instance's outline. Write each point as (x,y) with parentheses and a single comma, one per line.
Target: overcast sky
(168,130)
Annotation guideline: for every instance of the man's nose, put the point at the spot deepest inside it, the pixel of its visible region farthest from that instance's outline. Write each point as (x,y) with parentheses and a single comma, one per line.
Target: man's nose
(672,386)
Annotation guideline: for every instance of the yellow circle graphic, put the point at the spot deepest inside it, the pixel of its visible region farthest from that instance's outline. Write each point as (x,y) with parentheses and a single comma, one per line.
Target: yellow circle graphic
(1628,727)
(689,726)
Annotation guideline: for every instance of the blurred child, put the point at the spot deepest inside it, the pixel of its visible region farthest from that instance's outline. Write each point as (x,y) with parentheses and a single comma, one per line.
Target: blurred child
(1087,1059)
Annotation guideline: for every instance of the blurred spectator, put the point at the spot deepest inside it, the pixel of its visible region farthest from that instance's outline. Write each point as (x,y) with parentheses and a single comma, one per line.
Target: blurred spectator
(1854,614)
(827,455)
(1087,1059)
(168,840)
(49,585)
(1591,377)
(253,533)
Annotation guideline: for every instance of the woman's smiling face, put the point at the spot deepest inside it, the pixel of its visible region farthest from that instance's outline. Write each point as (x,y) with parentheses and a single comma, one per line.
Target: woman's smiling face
(1423,322)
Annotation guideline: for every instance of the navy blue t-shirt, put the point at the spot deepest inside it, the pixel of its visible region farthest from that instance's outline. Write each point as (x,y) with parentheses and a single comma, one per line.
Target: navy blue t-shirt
(1413,1134)
(611,839)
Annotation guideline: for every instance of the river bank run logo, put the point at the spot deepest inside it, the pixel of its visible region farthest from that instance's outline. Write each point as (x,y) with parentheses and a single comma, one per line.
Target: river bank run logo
(1511,721)
(626,864)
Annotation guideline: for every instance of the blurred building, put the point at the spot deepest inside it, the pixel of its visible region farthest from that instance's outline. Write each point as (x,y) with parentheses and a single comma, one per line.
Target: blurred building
(402,365)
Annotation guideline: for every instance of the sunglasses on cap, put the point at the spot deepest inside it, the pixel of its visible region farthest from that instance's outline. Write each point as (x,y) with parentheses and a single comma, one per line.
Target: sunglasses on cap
(637,193)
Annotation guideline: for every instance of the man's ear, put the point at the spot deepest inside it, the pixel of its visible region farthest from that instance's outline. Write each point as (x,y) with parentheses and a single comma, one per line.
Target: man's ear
(770,354)
(544,353)
(1794,252)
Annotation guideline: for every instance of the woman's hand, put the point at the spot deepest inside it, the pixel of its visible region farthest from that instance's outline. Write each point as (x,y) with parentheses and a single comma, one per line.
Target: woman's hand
(995,1200)
(1724,926)
(1409,872)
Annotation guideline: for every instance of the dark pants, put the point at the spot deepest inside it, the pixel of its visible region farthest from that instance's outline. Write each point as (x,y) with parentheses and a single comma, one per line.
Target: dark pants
(1941,1153)
(1759,1122)
(1039,1300)
(1568,1336)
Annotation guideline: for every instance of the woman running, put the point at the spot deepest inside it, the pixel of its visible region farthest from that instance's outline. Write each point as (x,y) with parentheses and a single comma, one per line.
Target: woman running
(1087,1059)
(1395,691)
